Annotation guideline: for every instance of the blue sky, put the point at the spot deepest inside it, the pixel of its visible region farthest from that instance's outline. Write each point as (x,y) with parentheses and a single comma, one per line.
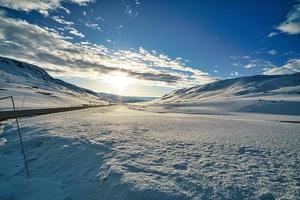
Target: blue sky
(149,48)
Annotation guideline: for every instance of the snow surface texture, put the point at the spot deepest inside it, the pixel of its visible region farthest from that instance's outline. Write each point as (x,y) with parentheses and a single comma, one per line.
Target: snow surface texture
(121,153)
(258,94)
(38,89)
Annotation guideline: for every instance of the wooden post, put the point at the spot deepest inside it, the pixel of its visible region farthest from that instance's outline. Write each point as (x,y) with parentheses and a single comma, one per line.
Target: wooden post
(20,136)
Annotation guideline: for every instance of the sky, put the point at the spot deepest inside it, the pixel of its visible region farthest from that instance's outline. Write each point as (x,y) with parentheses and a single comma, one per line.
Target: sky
(148,47)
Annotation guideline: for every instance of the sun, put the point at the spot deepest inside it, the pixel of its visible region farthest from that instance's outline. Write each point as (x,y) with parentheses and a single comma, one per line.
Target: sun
(118,80)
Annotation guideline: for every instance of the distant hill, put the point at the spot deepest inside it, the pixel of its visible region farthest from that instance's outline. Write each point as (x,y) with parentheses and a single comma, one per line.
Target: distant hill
(276,94)
(38,89)
(260,85)
(124,99)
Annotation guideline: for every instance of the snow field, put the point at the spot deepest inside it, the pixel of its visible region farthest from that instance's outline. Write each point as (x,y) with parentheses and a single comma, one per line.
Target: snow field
(121,153)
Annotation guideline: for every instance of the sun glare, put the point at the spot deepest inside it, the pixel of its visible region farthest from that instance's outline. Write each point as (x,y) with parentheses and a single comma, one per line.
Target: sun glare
(118,80)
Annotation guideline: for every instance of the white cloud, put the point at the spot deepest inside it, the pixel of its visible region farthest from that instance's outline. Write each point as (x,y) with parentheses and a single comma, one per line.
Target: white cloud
(272,34)
(42,6)
(66,10)
(68,27)
(291,67)
(259,63)
(130,6)
(240,57)
(249,66)
(82,2)
(93,26)
(246,57)
(234,74)
(137,2)
(45,47)
(247,62)
(272,52)
(61,21)
(292,23)
(75,32)
(99,18)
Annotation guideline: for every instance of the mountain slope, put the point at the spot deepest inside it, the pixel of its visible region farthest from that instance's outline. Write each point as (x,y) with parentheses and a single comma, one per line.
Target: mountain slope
(278,94)
(33,87)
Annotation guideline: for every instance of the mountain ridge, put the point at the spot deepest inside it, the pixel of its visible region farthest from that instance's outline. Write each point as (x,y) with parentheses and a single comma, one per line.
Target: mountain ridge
(243,86)
(33,85)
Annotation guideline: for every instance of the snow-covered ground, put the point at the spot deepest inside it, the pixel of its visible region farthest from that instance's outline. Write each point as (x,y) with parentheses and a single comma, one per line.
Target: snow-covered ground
(119,152)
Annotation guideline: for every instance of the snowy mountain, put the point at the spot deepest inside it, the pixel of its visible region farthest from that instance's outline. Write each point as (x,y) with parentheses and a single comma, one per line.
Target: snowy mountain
(259,85)
(123,99)
(33,87)
(268,94)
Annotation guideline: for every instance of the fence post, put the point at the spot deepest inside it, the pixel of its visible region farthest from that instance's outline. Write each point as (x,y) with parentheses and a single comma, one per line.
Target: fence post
(20,136)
